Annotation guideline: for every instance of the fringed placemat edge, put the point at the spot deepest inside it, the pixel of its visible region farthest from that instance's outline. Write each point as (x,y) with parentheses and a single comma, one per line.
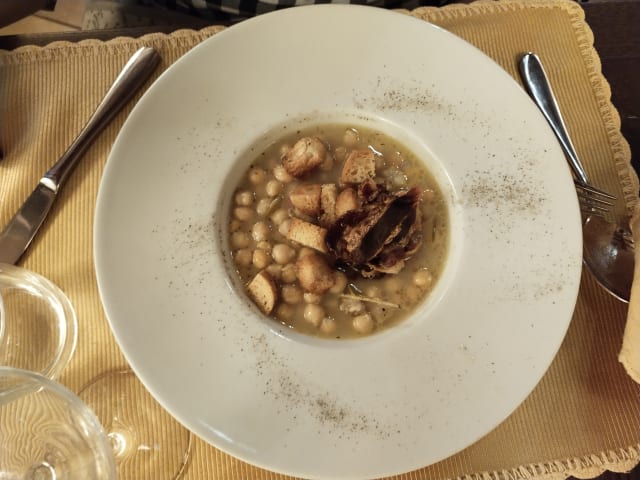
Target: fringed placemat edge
(33,53)
(589,466)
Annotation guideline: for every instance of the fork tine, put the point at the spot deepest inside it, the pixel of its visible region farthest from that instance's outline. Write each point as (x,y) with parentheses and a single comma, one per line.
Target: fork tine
(599,212)
(588,198)
(593,208)
(593,190)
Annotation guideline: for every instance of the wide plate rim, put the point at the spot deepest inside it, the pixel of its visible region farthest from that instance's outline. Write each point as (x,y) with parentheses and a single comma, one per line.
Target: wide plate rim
(106,286)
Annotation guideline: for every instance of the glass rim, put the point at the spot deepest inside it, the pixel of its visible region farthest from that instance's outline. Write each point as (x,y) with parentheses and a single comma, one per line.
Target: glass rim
(66,311)
(34,379)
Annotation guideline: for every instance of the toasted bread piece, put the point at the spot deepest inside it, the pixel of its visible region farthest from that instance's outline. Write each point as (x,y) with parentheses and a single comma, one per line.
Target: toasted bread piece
(263,291)
(328,193)
(358,167)
(306,198)
(307,234)
(305,155)
(314,274)
(347,200)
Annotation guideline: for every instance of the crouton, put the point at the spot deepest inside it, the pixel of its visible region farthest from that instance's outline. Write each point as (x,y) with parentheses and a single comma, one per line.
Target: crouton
(314,274)
(307,234)
(359,166)
(347,200)
(328,194)
(305,155)
(262,290)
(306,198)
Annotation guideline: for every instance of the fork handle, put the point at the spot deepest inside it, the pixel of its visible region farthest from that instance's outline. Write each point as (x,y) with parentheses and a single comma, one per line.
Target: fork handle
(537,84)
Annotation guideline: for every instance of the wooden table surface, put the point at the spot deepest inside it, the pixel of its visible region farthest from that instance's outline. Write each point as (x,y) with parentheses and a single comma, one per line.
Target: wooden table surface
(616,28)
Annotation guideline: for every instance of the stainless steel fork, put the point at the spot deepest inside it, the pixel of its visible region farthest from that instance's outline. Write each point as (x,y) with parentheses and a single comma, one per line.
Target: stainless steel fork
(593,201)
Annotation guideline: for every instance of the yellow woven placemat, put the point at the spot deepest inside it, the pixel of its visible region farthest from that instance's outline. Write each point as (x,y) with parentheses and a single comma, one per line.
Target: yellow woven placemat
(583,417)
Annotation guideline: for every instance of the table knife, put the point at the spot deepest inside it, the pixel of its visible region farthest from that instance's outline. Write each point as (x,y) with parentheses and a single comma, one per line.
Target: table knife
(22,228)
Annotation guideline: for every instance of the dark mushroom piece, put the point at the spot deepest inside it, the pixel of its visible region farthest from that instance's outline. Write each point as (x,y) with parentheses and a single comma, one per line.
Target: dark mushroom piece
(379,236)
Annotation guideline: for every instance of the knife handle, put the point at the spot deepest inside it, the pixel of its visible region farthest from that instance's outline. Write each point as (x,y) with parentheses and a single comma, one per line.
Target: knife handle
(132,76)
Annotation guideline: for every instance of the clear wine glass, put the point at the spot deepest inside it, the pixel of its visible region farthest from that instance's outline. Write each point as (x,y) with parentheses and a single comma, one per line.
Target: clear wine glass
(38,333)
(147,442)
(48,432)
(38,325)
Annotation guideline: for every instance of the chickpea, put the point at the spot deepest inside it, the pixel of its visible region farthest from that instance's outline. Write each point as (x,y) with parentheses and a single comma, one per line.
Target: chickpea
(392,284)
(285,312)
(283,253)
(261,258)
(328,325)
(291,294)
(257,175)
(244,198)
(331,302)
(395,160)
(244,214)
(289,273)
(264,245)
(350,138)
(273,188)
(363,323)
(275,271)
(327,164)
(283,228)
(396,297)
(260,231)
(412,294)
(281,174)
(240,240)
(235,225)
(352,306)
(398,179)
(422,278)
(340,282)
(428,195)
(312,297)
(284,149)
(313,314)
(379,313)
(372,291)
(263,207)
(243,257)
(279,216)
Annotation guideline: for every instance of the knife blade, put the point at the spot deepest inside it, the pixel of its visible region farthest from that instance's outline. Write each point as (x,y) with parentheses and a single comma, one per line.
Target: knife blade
(22,228)
(19,232)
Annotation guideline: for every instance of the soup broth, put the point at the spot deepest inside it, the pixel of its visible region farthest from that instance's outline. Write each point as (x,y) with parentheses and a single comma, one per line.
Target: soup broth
(338,232)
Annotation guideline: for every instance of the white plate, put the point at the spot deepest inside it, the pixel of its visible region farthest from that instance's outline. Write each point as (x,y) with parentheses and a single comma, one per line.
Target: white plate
(393,402)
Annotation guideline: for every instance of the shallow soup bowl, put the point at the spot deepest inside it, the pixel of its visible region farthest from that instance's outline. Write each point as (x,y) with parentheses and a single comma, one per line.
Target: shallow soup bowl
(389,403)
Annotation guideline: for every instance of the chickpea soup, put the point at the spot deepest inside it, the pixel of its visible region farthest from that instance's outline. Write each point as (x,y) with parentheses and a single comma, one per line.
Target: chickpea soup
(338,232)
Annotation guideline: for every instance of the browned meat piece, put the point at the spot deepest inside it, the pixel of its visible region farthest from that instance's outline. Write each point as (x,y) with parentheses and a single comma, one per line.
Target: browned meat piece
(379,236)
